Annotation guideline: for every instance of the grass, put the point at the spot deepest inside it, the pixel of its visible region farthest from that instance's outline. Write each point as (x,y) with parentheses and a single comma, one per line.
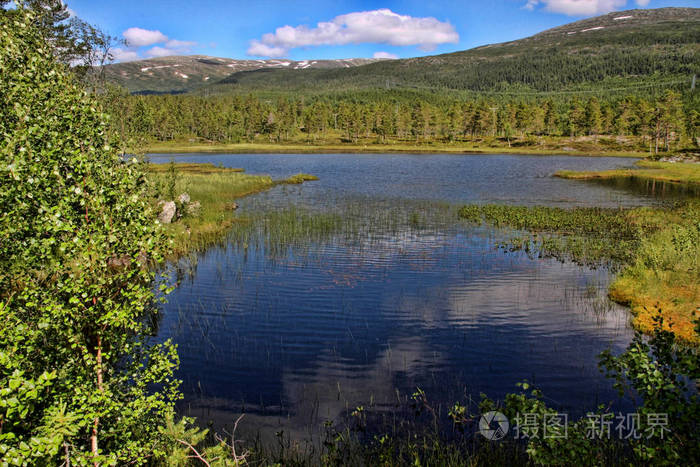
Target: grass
(192,169)
(215,189)
(669,172)
(298,179)
(658,251)
(545,146)
(665,274)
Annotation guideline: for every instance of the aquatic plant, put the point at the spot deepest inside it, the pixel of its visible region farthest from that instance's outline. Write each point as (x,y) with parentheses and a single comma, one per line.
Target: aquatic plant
(298,179)
(584,235)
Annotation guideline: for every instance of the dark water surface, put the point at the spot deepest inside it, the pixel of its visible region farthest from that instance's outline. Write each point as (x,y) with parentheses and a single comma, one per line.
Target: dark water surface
(295,334)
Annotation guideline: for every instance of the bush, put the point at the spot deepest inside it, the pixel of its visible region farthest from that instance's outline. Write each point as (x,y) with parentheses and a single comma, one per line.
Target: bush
(77,245)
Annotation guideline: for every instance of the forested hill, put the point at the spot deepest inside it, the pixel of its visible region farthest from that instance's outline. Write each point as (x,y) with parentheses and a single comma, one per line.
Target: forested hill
(629,48)
(178,74)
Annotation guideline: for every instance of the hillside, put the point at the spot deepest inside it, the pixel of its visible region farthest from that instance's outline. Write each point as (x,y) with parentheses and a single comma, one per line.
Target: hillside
(626,48)
(178,74)
(630,49)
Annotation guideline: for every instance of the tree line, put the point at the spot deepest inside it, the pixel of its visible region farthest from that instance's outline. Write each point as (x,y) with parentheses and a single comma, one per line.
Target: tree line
(665,122)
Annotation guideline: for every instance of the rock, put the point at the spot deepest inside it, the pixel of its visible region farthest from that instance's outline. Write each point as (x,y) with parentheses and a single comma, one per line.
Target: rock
(183,198)
(167,215)
(193,208)
(118,262)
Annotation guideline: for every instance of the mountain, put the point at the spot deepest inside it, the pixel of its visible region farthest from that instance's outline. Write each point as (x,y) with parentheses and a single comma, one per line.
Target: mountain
(178,74)
(634,49)
(625,48)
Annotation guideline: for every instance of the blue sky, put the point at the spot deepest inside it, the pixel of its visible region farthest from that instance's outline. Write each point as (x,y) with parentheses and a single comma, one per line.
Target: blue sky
(318,29)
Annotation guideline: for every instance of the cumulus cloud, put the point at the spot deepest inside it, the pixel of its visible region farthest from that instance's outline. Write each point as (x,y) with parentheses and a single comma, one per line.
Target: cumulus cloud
(257,48)
(175,44)
(581,7)
(158,51)
(378,26)
(125,55)
(385,55)
(137,37)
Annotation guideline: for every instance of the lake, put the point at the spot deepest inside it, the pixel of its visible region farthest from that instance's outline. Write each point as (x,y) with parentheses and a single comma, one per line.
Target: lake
(297,332)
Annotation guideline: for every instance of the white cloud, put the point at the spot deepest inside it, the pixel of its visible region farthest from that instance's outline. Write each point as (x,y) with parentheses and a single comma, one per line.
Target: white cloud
(158,51)
(175,44)
(378,26)
(385,55)
(581,7)
(122,55)
(137,37)
(259,49)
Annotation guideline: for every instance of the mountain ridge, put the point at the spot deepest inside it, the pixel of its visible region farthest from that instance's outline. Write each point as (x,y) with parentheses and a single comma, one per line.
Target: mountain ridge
(625,45)
(183,73)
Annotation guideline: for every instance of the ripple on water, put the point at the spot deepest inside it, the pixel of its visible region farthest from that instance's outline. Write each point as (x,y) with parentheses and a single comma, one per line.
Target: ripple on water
(327,323)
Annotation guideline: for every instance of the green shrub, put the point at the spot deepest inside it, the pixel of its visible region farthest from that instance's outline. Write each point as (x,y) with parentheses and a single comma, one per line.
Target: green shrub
(77,245)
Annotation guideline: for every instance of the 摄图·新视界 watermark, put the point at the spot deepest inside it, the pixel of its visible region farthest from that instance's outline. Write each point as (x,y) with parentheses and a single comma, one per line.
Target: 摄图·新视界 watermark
(494,426)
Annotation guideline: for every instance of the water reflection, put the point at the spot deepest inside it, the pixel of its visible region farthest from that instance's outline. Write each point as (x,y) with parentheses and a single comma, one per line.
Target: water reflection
(399,295)
(301,338)
(655,188)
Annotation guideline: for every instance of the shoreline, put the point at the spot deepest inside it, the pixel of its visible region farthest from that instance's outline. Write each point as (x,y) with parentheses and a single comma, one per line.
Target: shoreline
(675,173)
(252,148)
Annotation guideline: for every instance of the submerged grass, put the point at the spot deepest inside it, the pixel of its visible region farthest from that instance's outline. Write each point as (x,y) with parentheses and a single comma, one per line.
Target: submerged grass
(657,249)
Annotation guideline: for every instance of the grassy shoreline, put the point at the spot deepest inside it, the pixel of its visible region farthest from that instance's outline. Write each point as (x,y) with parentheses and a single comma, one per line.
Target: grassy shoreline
(669,172)
(437,148)
(664,276)
(215,189)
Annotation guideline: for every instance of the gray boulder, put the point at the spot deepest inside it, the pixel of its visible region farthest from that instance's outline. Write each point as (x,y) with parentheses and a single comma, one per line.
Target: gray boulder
(183,198)
(168,212)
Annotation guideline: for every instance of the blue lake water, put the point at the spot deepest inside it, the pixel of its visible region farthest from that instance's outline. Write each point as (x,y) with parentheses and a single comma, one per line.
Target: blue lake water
(297,334)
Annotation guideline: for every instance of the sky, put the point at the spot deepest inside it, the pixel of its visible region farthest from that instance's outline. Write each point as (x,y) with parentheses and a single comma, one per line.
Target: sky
(319,29)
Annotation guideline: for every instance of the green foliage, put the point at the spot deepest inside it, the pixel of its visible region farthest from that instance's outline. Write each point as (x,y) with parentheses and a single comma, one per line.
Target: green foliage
(657,370)
(80,380)
(661,372)
(171,180)
(73,41)
(187,442)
